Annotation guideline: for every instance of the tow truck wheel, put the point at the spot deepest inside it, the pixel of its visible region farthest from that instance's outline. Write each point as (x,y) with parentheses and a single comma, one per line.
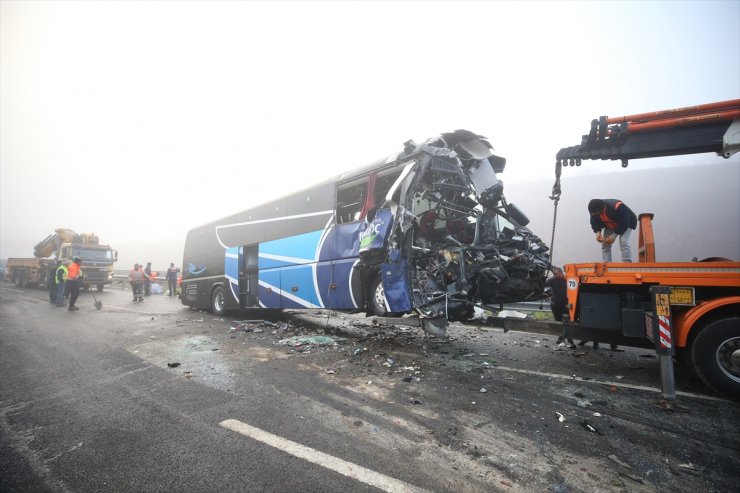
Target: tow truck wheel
(218,301)
(377,300)
(716,355)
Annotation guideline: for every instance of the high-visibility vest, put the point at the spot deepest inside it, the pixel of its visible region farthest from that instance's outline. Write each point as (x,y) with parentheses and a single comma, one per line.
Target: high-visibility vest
(62,268)
(609,222)
(73,272)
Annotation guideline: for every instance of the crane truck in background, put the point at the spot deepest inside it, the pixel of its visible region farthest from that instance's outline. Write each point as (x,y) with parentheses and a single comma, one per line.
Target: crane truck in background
(64,244)
(688,309)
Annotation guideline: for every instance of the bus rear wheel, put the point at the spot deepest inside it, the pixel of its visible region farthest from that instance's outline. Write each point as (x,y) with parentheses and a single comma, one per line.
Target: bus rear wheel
(218,301)
(716,355)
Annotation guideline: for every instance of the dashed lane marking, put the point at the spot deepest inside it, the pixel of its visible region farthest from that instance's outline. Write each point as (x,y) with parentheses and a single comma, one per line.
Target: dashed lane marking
(367,476)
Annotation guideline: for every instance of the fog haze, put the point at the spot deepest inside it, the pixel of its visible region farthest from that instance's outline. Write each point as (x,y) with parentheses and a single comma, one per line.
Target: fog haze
(696,209)
(137,121)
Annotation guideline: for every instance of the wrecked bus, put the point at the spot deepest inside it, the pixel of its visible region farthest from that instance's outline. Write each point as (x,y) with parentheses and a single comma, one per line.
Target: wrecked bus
(426,231)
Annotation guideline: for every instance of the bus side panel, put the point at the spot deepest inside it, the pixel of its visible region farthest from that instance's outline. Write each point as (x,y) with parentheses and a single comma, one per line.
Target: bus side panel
(287,271)
(269,288)
(298,287)
(231,271)
(338,282)
(301,212)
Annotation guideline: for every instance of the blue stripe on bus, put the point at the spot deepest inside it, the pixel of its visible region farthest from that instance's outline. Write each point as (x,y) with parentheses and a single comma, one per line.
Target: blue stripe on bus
(298,281)
(269,299)
(299,247)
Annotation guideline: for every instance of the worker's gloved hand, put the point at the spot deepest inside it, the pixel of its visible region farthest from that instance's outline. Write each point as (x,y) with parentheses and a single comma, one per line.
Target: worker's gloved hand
(599,237)
(610,239)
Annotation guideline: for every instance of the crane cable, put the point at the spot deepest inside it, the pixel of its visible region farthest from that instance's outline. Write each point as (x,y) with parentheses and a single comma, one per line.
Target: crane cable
(555,197)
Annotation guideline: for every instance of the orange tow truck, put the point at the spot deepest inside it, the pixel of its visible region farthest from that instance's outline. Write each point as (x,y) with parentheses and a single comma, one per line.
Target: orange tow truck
(687,309)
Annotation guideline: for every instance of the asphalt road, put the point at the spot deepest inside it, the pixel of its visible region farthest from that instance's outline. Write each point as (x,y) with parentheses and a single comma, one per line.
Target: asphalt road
(89,402)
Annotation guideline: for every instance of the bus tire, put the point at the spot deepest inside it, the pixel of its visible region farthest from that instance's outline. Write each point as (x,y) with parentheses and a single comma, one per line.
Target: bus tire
(716,355)
(218,301)
(377,300)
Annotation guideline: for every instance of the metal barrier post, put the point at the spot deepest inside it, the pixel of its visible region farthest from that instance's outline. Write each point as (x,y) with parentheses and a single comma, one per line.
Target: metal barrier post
(659,330)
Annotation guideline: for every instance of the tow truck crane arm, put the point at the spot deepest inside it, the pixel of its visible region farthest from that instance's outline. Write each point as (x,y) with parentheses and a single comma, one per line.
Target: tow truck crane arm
(713,127)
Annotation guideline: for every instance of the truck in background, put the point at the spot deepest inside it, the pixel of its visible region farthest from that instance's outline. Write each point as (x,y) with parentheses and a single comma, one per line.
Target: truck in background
(64,244)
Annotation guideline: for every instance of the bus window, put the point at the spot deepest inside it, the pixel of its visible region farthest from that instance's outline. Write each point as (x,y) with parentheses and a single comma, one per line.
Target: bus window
(383,184)
(350,199)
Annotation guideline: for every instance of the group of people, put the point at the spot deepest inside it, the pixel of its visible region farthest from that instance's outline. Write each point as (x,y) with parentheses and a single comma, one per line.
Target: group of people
(611,220)
(141,280)
(65,278)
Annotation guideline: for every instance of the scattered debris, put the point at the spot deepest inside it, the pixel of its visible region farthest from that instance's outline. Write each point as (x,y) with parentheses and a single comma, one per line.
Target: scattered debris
(173,365)
(407,379)
(618,461)
(330,372)
(669,405)
(583,403)
(511,314)
(303,341)
(561,418)
(483,390)
(188,374)
(586,424)
(631,476)
(598,415)
(415,401)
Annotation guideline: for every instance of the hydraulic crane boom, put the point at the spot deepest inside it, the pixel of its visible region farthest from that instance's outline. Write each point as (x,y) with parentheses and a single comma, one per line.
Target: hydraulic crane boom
(713,127)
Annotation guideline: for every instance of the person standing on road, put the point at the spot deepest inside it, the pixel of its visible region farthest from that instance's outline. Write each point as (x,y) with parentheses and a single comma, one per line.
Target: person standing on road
(611,218)
(136,278)
(74,279)
(60,280)
(559,301)
(148,280)
(51,280)
(172,279)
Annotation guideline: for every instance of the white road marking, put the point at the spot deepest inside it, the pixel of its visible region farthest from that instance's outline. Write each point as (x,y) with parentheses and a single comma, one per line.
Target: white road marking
(376,479)
(14,290)
(602,382)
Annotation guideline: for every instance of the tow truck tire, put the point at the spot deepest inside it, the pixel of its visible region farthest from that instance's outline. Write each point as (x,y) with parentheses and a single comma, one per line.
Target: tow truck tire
(218,301)
(716,355)
(377,300)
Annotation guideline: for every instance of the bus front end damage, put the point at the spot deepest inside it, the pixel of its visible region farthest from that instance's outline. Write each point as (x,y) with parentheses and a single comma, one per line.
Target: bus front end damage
(446,240)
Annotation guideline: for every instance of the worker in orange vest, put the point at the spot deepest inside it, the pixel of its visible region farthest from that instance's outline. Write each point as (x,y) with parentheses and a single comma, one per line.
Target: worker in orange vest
(74,279)
(611,218)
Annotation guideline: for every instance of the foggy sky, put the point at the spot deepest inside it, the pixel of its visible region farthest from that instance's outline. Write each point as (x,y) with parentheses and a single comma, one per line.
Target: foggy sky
(140,120)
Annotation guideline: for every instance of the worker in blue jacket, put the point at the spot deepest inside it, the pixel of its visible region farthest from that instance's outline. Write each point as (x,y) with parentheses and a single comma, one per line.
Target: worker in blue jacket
(612,219)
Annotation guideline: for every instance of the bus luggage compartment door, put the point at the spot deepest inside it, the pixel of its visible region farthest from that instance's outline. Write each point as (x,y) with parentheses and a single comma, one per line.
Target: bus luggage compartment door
(248,277)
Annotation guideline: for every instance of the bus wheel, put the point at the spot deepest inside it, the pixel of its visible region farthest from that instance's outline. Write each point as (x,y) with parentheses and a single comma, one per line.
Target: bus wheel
(218,301)
(716,355)
(377,300)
